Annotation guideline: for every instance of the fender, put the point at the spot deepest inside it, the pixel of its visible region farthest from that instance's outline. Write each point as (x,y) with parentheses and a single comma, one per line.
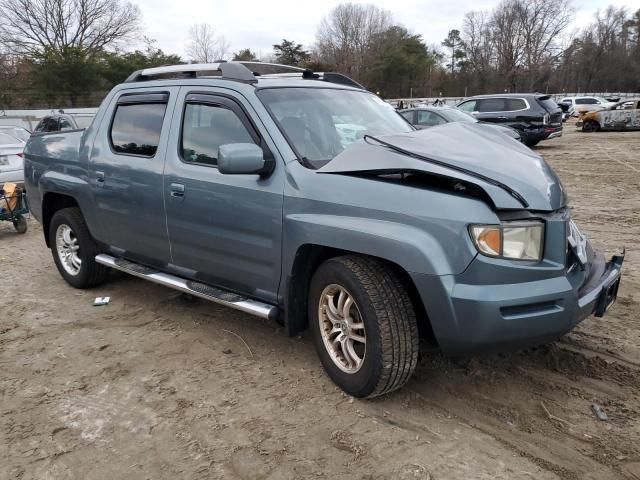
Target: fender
(410,248)
(71,186)
(413,249)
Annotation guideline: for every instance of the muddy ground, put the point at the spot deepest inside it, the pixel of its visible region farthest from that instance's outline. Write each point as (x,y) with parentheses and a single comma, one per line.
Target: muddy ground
(157,386)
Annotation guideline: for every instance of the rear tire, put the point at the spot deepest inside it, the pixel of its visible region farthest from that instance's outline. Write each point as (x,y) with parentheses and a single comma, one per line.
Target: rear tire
(382,347)
(74,249)
(531,143)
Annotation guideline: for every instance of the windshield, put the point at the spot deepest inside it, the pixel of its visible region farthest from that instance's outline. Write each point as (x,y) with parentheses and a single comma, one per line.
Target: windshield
(455,115)
(321,122)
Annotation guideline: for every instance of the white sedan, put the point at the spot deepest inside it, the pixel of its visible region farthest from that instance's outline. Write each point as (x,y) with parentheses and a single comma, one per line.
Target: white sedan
(11,164)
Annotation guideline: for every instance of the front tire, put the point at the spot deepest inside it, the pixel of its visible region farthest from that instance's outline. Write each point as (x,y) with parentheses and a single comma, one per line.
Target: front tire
(363,325)
(74,249)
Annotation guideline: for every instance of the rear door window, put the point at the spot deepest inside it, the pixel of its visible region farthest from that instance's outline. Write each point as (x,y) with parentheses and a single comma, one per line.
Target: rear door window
(491,105)
(136,127)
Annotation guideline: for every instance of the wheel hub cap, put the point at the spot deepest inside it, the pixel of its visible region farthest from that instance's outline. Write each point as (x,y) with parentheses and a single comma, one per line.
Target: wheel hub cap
(68,249)
(342,328)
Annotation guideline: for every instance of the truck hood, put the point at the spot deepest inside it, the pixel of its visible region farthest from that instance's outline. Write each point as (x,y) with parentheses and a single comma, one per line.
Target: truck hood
(512,175)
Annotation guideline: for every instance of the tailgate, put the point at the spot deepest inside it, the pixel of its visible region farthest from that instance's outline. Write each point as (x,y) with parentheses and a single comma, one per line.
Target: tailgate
(552,108)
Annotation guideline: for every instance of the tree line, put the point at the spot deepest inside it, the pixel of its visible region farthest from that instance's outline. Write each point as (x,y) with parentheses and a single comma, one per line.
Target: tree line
(69,53)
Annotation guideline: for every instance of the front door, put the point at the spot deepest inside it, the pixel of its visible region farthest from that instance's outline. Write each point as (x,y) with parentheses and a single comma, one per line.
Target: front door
(225,230)
(125,174)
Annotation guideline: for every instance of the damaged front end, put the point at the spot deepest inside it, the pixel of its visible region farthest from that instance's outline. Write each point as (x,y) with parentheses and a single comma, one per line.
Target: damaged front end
(534,275)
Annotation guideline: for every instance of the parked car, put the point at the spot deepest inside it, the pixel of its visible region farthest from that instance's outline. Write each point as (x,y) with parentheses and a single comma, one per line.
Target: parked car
(537,117)
(425,117)
(624,115)
(20,133)
(567,110)
(11,166)
(239,189)
(586,104)
(62,121)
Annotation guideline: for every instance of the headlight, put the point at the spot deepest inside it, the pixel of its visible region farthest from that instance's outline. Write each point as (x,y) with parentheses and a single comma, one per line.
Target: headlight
(513,240)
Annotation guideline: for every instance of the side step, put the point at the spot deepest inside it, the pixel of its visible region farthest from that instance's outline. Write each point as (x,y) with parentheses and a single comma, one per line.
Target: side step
(197,289)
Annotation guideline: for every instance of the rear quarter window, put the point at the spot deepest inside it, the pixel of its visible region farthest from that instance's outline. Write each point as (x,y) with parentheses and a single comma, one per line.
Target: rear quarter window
(136,127)
(548,104)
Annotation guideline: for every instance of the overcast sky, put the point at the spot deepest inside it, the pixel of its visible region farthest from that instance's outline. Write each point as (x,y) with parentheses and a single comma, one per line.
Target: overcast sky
(258,24)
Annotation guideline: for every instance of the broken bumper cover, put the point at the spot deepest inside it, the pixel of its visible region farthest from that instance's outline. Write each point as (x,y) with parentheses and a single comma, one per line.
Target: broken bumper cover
(470,318)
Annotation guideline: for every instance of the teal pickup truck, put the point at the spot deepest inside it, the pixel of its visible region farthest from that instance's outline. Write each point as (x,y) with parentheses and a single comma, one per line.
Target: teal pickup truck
(303,198)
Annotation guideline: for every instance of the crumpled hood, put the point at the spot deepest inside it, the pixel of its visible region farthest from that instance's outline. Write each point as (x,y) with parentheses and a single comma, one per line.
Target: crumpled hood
(468,146)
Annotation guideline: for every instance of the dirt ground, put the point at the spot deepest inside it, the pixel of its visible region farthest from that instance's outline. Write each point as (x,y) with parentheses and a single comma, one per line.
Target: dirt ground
(158,386)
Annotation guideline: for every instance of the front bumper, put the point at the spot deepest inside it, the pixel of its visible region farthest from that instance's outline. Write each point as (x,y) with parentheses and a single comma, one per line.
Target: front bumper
(470,318)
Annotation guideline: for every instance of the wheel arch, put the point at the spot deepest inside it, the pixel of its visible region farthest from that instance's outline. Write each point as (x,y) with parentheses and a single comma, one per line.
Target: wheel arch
(308,258)
(51,203)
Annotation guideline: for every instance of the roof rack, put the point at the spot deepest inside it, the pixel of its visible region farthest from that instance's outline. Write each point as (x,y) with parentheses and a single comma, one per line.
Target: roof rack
(230,70)
(240,71)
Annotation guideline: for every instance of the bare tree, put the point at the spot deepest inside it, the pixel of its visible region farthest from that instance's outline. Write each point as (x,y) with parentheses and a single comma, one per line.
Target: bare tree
(541,24)
(479,46)
(32,27)
(205,46)
(347,36)
(508,41)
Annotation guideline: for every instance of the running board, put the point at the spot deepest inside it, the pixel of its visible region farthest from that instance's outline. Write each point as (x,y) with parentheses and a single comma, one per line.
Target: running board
(197,289)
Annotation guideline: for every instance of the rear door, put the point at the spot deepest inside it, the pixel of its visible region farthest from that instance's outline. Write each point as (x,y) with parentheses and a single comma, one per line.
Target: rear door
(491,110)
(125,174)
(225,230)
(511,112)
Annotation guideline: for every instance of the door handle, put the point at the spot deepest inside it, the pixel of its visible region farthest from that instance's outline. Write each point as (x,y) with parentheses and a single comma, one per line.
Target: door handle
(100,178)
(177,190)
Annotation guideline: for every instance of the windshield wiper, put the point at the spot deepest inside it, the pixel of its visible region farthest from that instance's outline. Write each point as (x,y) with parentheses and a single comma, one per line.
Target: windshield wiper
(471,173)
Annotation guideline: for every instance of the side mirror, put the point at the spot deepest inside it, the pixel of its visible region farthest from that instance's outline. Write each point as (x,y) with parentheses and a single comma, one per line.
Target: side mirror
(243,159)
